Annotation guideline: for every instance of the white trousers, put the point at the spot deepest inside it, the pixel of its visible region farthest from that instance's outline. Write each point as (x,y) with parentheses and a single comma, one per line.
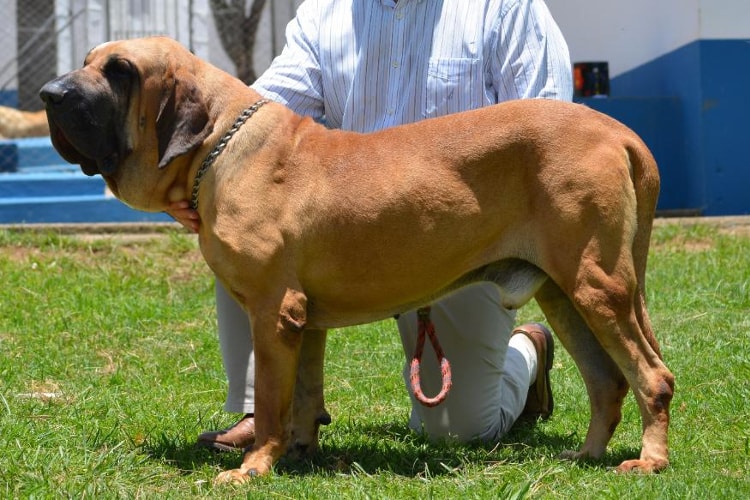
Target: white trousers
(490,377)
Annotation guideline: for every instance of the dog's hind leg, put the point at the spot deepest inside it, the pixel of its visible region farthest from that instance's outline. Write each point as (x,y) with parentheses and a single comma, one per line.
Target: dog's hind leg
(308,409)
(605,383)
(613,306)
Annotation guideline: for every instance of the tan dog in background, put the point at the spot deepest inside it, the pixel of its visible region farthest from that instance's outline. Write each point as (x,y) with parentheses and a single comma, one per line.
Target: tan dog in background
(312,228)
(15,123)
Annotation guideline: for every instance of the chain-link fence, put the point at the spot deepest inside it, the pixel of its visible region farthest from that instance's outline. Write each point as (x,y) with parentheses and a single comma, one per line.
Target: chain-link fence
(45,38)
(49,37)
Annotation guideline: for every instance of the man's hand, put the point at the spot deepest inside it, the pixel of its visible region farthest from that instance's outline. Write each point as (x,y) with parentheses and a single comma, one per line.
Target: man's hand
(182,213)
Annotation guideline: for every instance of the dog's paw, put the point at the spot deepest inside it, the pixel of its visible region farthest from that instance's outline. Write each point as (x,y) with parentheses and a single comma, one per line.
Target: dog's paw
(582,457)
(298,450)
(236,476)
(572,455)
(642,466)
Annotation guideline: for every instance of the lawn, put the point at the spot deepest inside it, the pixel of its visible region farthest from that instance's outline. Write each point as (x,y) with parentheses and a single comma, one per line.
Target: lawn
(110,367)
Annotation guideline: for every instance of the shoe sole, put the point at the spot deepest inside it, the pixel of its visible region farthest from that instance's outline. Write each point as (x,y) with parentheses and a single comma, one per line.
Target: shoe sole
(214,446)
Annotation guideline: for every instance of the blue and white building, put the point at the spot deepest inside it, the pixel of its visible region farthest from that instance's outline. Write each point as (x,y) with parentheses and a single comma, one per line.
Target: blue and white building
(680,76)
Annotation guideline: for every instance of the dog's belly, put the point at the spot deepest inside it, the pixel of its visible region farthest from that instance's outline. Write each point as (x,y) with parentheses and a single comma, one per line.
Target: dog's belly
(516,279)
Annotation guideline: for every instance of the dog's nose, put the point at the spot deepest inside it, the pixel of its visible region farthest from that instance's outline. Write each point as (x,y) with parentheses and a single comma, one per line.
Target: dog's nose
(53,93)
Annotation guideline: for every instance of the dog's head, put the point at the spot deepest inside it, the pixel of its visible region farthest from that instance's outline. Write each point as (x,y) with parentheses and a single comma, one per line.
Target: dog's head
(133,108)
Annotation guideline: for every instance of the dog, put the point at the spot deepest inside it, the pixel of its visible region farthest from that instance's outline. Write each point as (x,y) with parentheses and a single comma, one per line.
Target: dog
(311,228)
(15,123)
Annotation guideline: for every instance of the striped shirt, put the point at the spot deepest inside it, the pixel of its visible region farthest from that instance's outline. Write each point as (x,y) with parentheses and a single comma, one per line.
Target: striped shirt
(370,64)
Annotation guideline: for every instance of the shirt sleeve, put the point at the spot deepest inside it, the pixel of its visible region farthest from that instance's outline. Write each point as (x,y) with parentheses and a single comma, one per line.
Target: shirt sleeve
(294,77)
(531,57)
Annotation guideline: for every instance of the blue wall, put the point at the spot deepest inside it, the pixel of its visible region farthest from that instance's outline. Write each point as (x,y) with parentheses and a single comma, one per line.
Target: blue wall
(658,121)
(701,141)
(725,109)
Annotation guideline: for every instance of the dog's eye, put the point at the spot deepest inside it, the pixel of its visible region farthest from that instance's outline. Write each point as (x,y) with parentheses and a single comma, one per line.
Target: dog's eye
(120,69)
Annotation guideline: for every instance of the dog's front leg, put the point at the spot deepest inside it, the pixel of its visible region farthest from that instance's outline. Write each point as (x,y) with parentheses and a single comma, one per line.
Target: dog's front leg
(308,411)
(277,338)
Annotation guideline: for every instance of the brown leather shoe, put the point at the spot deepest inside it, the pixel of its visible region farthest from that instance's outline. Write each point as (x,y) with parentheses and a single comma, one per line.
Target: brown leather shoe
(238,437)
(539,402)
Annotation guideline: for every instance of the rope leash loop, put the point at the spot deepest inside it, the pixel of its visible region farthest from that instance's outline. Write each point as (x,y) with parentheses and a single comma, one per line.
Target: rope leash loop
(427,327)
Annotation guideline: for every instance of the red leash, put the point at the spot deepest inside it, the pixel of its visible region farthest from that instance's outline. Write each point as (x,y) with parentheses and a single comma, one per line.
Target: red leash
(426,326)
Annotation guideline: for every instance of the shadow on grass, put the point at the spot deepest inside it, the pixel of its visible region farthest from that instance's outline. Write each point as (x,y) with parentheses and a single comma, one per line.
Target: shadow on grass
(392,447)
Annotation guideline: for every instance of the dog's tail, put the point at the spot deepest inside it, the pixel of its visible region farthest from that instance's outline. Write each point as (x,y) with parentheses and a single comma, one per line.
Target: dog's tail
(646,182)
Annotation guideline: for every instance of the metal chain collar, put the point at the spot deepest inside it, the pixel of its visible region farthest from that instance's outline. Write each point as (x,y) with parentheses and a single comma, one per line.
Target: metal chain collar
(211,157)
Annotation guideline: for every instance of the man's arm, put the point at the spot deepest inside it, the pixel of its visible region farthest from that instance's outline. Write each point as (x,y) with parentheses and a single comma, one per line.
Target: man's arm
(294,77)
(531,57)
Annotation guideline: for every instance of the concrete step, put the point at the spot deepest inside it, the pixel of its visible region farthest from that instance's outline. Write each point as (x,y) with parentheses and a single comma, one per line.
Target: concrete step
(49,183)
(20,154)
(71,209)
(38,187)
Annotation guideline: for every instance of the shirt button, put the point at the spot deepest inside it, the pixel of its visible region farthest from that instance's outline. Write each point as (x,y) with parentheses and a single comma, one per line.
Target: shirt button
(400,15)
(395,64)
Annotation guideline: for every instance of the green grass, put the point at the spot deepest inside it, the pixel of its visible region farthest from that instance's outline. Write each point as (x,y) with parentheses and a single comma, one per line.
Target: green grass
(109,369)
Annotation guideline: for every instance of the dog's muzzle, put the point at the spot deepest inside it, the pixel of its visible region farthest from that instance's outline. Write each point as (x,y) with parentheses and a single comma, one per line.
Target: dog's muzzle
(81,127)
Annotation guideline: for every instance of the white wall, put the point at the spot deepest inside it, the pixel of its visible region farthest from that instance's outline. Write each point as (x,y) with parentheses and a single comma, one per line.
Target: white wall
(725,19)
(627,34)
(631,33)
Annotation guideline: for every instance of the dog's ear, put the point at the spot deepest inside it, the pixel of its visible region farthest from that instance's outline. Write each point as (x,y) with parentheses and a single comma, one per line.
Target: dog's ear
(183,121)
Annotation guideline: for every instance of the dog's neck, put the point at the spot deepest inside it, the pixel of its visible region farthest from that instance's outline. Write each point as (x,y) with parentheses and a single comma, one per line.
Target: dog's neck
(219,147)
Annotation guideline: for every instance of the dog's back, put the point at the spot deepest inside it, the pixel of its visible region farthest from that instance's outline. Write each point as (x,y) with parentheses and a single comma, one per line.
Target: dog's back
(15,123)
